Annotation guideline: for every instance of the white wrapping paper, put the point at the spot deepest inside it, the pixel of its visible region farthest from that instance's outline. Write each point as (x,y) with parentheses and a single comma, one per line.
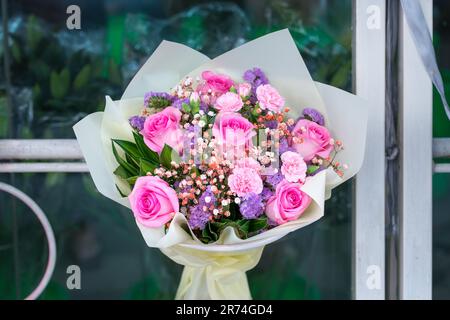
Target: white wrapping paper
(217,271)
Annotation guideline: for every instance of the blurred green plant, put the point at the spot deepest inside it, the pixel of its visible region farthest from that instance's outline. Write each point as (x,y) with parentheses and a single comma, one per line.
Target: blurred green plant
(66,82)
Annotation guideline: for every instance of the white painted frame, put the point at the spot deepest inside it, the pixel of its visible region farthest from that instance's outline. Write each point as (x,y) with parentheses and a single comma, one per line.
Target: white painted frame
(369,65)
(416,163)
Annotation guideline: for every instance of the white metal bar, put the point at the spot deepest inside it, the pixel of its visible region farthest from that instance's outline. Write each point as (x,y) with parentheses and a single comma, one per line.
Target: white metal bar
(44,167)
(442,168)
(441,147)
(369,207)
(40,149)
(416,167)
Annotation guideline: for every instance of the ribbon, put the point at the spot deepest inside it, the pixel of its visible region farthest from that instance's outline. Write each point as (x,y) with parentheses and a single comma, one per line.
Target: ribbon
(424,45)
(213,275)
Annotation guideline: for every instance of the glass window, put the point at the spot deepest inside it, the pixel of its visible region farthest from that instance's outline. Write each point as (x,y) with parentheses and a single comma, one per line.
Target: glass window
(60,75)
(441,181)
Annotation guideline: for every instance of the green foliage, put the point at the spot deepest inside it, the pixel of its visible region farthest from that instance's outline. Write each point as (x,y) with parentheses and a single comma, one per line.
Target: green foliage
(65,82)
(138,159)
(311,169)
(244,228)
(33,32)
(165,158)
(59,83)
(147,154)
(158,103)
(82,78)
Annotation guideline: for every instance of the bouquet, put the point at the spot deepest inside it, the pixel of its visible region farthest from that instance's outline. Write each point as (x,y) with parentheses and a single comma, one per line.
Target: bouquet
(217,158)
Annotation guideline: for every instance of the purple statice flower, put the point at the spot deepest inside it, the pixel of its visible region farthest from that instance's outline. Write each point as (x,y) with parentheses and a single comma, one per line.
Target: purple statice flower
(252,206)
(274,179)
(198,218)
(204,107)
(211,197)
(158,99)
(266,194)
(137,122)
(255,77)
(178,103)
(271,124)
(313,115)
(284,146)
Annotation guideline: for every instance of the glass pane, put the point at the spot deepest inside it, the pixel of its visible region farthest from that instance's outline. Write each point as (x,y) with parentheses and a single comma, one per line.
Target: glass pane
(441,182)
(60,75)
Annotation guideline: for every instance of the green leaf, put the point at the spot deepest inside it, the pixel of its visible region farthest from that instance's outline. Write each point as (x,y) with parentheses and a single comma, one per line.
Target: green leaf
(114,73)
(145,151)
(132,161)
(257,224)
(16,53)
(233,89)
(33,32)
(244,224)
(37,91)
(146,166)
(82,78)
(186,108)
(165,158)
(312,169)
(129,148)
(129,168)
(195,107)
(132,180)
(120,192)
(59,83)
(121,172)
(208,234)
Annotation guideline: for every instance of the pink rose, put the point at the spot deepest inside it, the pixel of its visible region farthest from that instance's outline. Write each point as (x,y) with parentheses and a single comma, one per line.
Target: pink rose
(229,102)
(217,83)
(244,89)
(153,202)
(293,167)
(244,181)
(269,98)
(163,128)
(314,140)
(234,129)
(288,203)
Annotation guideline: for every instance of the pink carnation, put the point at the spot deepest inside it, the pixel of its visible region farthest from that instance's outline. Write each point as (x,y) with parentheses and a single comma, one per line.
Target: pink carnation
(249,163)
(293,167)
(229,102)
(244,181)
(269,98)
